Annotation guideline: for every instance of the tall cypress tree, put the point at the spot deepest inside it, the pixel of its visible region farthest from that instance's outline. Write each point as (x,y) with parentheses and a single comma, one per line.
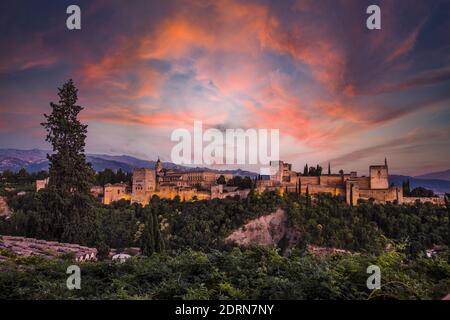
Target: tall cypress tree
(318,170)
(68,169)
(151,240)
(68,207)
(148,237)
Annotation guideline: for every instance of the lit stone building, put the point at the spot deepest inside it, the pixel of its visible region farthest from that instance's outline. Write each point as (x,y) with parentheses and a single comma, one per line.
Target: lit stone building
(221,192)
(202,184)
(438,200)
(41,184)
(350,186)
(144,185)
(285,177)
(284,180)
(164,183)
(375,187)
(115,192)
(97,191)
(205,179)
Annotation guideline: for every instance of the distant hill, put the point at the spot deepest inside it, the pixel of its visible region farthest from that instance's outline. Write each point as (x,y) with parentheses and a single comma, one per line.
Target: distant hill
(36,160)
(438,186)
(440,175)
(14,160)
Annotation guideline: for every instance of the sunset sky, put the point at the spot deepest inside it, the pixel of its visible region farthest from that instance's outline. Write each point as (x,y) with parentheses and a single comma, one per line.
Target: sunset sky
(337,91)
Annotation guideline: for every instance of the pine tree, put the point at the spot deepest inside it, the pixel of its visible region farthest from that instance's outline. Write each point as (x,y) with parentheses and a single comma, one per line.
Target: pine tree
(68,169)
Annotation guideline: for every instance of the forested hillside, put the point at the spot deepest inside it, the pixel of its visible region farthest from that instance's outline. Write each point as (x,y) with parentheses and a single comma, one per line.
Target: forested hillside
(186,255)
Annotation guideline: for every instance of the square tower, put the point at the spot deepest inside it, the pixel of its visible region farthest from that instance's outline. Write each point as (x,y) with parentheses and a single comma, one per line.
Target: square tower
(144,182)
(379,178)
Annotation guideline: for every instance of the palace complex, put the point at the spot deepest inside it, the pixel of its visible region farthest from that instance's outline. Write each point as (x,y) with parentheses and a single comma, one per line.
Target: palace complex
(374,187)
(203,184)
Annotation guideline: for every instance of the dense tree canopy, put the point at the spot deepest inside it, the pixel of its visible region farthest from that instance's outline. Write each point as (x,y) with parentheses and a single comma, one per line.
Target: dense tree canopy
(419,192)
(216,270)
(255,273)
(203,225)
(109,176)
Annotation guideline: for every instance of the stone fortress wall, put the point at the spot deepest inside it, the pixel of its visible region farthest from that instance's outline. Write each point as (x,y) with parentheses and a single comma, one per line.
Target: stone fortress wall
(188,185)
(202,184)
(354,188)
(115,192)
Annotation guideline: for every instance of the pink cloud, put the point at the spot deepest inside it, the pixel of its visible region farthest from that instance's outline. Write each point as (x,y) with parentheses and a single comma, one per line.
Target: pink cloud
(28,54)
(406,45)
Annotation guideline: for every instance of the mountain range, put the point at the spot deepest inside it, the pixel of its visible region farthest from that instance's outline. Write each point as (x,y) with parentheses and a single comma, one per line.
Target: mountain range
(440,175)
(437,185)
(36,160)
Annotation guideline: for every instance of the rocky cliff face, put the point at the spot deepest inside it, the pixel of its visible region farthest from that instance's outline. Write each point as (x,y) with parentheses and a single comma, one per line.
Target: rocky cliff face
(269,230)
(273,230)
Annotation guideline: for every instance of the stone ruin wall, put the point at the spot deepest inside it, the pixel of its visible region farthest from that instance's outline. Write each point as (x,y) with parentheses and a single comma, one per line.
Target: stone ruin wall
(440,201)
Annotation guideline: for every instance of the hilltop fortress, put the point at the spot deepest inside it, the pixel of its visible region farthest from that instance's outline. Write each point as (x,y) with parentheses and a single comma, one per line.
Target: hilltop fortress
(188,185)
(374,187)
(204,184)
